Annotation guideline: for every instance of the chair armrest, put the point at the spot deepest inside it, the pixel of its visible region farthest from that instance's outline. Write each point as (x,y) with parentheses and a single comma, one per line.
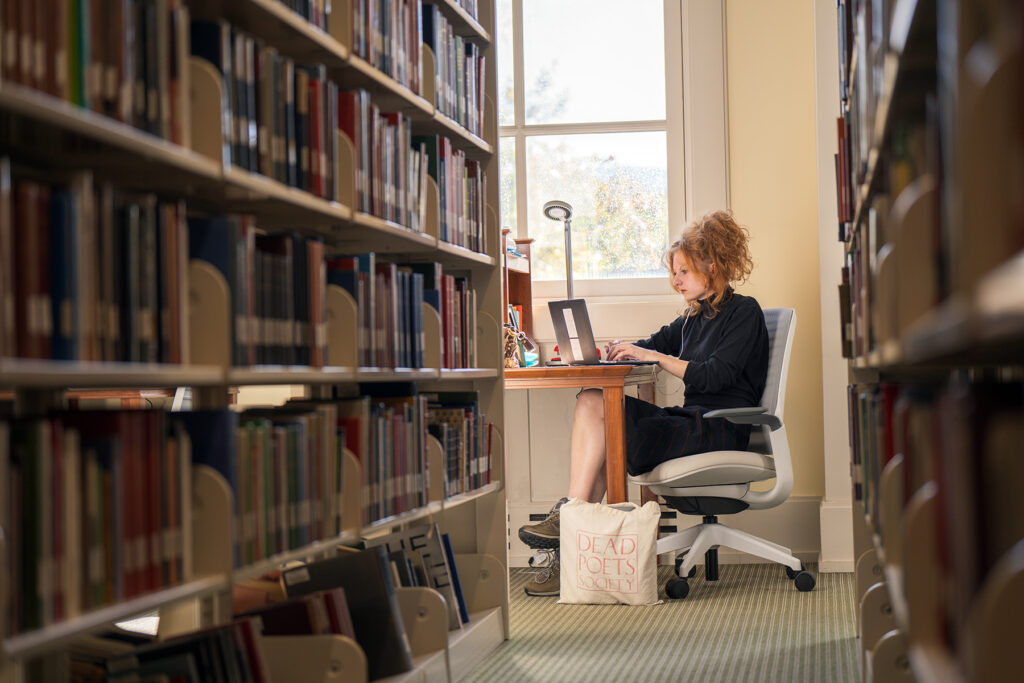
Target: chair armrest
(754,415)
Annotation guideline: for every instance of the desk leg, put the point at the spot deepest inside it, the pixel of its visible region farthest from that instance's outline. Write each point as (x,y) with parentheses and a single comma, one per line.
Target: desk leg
(615,444)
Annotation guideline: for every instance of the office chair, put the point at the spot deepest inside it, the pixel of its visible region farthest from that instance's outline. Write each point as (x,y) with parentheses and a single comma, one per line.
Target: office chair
(718,482)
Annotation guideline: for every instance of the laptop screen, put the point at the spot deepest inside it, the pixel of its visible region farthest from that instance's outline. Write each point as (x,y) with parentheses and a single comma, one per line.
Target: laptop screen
(573,332)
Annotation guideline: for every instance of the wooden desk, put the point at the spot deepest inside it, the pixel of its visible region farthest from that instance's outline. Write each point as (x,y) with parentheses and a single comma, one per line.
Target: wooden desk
(611,380)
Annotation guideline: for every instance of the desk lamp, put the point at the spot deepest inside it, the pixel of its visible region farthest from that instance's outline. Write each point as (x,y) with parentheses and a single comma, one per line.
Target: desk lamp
(558,210)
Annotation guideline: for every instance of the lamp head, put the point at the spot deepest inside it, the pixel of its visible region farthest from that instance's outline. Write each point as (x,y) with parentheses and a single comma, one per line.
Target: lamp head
(557,210)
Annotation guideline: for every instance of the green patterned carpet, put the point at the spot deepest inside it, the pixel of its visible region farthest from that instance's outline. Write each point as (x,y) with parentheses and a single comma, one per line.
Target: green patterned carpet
(751,625)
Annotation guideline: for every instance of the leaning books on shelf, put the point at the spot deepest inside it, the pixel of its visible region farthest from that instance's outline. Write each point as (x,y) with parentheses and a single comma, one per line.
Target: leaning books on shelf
(228,652)
(372,603)
(425,543)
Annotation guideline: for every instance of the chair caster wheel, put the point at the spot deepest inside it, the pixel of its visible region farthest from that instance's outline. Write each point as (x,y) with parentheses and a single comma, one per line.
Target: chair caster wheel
(677,589)
(679,563)
(804,581)
(791,573)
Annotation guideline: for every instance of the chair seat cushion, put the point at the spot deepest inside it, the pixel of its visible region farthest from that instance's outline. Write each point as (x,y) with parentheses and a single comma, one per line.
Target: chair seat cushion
(710,469)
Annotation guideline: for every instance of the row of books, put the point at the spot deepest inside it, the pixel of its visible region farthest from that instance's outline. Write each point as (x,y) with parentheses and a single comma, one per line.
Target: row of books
(385,431)
(455,420)
(95,509)
(90,273)
(126,59)
(287,477)
(316,12)
(462,186)
(277,118)
(459,73)
(388,35)
(960,435)
(276,285)
(222,654)
(390,163)
(389,300)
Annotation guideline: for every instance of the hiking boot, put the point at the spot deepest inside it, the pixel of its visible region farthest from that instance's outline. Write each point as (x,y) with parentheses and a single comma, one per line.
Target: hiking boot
(547,581)
(543,534)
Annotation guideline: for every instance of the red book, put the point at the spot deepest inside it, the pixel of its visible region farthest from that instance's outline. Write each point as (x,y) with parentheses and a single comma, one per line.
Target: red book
(337,612)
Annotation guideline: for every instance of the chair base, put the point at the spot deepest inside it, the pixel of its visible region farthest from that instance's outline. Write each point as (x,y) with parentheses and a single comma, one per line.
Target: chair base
(704,539)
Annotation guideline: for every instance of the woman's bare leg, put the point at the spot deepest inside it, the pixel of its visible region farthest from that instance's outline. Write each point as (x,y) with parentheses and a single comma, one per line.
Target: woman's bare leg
(587,453)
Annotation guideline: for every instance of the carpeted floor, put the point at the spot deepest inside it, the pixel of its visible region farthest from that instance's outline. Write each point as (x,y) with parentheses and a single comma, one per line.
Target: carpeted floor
(751,625)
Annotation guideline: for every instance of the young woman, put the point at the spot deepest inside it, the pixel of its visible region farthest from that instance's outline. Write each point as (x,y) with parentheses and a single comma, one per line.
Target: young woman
(718,346)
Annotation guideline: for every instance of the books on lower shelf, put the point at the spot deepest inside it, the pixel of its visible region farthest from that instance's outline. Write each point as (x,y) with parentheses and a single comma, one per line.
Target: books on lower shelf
(370,590)
(956,437)
(426,546)
(95,510)
(228,652)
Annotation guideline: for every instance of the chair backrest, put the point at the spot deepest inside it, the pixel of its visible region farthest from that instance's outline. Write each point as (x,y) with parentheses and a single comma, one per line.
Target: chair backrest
(781,323)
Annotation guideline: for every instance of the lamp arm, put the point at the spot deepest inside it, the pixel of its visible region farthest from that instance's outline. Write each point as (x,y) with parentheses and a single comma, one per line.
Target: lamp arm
(568,257)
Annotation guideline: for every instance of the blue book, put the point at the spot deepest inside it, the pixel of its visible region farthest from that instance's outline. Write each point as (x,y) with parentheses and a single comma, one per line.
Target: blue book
(211,40)
(64,275)
(453,573)
(212,433)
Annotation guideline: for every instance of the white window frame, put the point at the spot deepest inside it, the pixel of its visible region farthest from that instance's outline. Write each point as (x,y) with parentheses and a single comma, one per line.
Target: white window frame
(696,121)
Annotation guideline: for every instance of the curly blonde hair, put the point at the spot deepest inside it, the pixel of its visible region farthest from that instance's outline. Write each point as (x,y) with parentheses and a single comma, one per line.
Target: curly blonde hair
(714,238)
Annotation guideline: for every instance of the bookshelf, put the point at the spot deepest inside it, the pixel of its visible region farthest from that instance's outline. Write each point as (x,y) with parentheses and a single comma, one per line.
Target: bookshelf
(157,144)
(930,147)
(518,281)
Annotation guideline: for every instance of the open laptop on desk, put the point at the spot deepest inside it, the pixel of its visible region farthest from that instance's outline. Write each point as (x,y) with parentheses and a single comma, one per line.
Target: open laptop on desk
(575,336)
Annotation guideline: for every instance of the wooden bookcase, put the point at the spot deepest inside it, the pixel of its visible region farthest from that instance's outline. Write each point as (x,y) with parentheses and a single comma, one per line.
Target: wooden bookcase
(51,135)
(930,158)
(518,281)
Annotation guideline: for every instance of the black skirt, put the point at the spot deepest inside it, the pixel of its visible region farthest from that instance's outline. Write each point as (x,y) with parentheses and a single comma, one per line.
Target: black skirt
(655,434)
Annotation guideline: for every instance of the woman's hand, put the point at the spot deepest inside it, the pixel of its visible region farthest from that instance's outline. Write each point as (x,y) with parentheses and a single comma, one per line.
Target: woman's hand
(619,350)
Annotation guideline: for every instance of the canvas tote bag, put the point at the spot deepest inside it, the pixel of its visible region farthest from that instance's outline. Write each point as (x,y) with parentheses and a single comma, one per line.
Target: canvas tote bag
(609,553)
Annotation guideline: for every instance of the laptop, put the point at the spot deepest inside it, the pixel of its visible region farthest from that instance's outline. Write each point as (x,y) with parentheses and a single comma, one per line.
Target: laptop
(575,336)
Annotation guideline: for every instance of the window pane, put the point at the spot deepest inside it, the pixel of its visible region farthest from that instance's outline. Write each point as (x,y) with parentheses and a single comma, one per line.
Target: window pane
(616,184)
(594,60)
(506,64)
(507,179)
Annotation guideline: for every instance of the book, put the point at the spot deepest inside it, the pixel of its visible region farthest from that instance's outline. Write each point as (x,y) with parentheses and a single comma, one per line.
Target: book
(449,553)
(304,615)
(373,604)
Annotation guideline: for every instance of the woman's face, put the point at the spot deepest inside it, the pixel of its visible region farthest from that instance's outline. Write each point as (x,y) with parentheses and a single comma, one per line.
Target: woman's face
(691,284)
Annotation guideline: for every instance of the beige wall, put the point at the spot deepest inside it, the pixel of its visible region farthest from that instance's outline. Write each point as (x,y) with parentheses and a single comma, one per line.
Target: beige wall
(773,191)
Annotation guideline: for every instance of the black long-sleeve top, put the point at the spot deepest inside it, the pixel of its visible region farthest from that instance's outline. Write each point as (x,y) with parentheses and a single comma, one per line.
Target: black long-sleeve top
(727,354)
